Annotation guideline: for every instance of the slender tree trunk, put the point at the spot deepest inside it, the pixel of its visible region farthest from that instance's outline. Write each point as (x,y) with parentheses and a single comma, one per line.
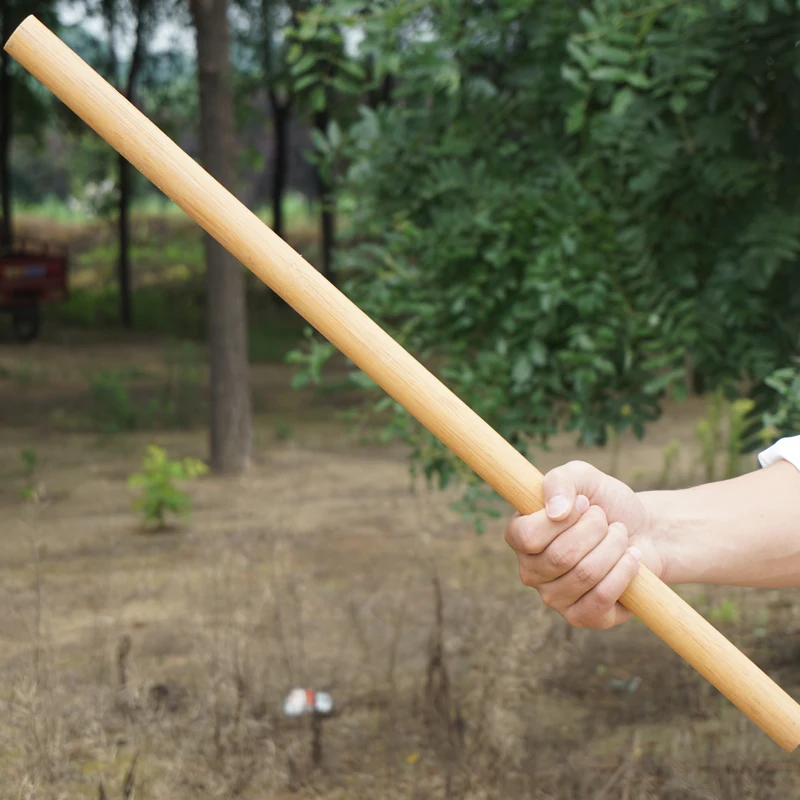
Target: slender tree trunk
(328,207)
(6,127)
(281,113)
(124,265)
(125,184)
(225,286)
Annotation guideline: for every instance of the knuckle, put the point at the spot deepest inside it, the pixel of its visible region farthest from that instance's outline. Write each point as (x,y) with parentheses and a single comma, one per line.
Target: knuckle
(562,558)
(605,622)
(575,617)
(585,574)
(526,576)
(603,598)
(521,535)
(549,597)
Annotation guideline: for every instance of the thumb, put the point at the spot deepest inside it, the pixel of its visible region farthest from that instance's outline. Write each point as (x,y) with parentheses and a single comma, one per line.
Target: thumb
(562,485)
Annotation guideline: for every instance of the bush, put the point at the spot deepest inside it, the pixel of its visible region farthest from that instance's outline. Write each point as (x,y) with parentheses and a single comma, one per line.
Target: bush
(161,496)
(578,210)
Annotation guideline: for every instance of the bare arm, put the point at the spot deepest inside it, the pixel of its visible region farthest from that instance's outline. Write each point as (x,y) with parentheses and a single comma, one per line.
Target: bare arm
(740,532)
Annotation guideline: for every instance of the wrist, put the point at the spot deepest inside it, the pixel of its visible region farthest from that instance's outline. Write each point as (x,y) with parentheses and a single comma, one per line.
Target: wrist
(675,539)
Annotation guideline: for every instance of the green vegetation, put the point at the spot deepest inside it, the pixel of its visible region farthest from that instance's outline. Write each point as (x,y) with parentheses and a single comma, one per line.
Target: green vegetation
(573,248)
(120,403)
(30,465)
(726,613)
(159,479)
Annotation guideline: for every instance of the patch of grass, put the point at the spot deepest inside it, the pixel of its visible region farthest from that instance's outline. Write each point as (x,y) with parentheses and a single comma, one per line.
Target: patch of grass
(176,402)
(726,613)
(30,465)
(283,430)
(113,409)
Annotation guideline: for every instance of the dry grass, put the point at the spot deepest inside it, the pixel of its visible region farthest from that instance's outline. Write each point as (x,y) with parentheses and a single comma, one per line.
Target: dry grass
(154,666)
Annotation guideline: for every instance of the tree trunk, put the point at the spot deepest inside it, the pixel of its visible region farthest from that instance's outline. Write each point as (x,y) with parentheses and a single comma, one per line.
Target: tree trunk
(328,207)
(125,181)
(225,286)
(281,112)
(6,111)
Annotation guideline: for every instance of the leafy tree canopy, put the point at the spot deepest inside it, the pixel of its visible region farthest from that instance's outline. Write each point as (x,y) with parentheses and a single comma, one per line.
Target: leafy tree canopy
(574,208)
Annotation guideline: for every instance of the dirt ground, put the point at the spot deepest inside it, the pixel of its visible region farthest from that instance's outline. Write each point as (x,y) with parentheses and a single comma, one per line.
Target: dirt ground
(155,665)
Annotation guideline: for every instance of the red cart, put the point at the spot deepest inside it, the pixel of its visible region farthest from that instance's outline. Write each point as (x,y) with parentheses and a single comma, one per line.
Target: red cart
(31,274)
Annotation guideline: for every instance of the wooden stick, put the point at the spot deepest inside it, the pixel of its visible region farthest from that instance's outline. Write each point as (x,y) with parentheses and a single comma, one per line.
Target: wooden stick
(221,215)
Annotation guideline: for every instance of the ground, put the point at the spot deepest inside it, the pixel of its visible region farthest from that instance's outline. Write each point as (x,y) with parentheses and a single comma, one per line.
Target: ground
(154,664)
(163,658)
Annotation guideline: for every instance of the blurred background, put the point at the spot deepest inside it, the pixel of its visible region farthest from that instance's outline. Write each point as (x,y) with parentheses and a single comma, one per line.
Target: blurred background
(583,216)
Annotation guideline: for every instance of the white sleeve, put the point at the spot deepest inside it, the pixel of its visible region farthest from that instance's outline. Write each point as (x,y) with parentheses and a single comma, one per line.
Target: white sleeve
(787,449)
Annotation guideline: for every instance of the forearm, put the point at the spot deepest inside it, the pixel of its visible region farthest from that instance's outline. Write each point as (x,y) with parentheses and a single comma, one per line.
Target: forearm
(740,532)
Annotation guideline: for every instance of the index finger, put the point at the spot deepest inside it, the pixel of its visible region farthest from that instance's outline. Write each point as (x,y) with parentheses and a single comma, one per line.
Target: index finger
(533,533)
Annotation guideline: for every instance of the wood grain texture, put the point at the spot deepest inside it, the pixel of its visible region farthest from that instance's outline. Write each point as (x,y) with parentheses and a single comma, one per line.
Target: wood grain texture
(221,215)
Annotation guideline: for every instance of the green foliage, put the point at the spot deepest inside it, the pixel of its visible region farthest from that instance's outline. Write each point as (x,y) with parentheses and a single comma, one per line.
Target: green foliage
(310,359)
(319,64)
(573,210)
(726,613)
(112,408)
(158,480)
(709,434)
(738,413)
(669,459)
(122,401)
(782,414)
(283,430)
(30,466)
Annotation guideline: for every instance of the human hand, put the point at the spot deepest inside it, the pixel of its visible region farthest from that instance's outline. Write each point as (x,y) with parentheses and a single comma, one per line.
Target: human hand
(582,550)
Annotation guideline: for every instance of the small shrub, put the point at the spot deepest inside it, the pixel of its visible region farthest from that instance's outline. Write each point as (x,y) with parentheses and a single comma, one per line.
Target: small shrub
(30,463)
(161,497)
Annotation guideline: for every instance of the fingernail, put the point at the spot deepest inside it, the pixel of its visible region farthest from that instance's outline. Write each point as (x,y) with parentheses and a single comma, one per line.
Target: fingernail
(557,506)
(635,552)
(581,503)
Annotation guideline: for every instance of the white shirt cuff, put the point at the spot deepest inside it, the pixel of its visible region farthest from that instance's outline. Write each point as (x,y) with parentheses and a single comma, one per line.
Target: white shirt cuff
(787,449)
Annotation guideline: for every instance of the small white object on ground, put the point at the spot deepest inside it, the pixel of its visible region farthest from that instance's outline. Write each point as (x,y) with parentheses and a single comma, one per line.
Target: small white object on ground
(306,701)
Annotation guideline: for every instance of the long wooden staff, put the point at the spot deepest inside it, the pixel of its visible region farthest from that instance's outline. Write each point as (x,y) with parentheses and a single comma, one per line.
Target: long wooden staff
(221,215)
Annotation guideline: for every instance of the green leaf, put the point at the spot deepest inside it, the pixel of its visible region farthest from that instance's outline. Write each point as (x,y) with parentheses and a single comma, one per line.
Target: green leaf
(573,76)
(300,379)
(304,82)
(678,103)
(613,55)
(305,63)
(335,135)
(622,101)
(576,117)
(581,56)
(318,99)
(614,74)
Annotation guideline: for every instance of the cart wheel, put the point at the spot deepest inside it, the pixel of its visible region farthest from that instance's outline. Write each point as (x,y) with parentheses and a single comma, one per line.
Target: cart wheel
(27,323)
